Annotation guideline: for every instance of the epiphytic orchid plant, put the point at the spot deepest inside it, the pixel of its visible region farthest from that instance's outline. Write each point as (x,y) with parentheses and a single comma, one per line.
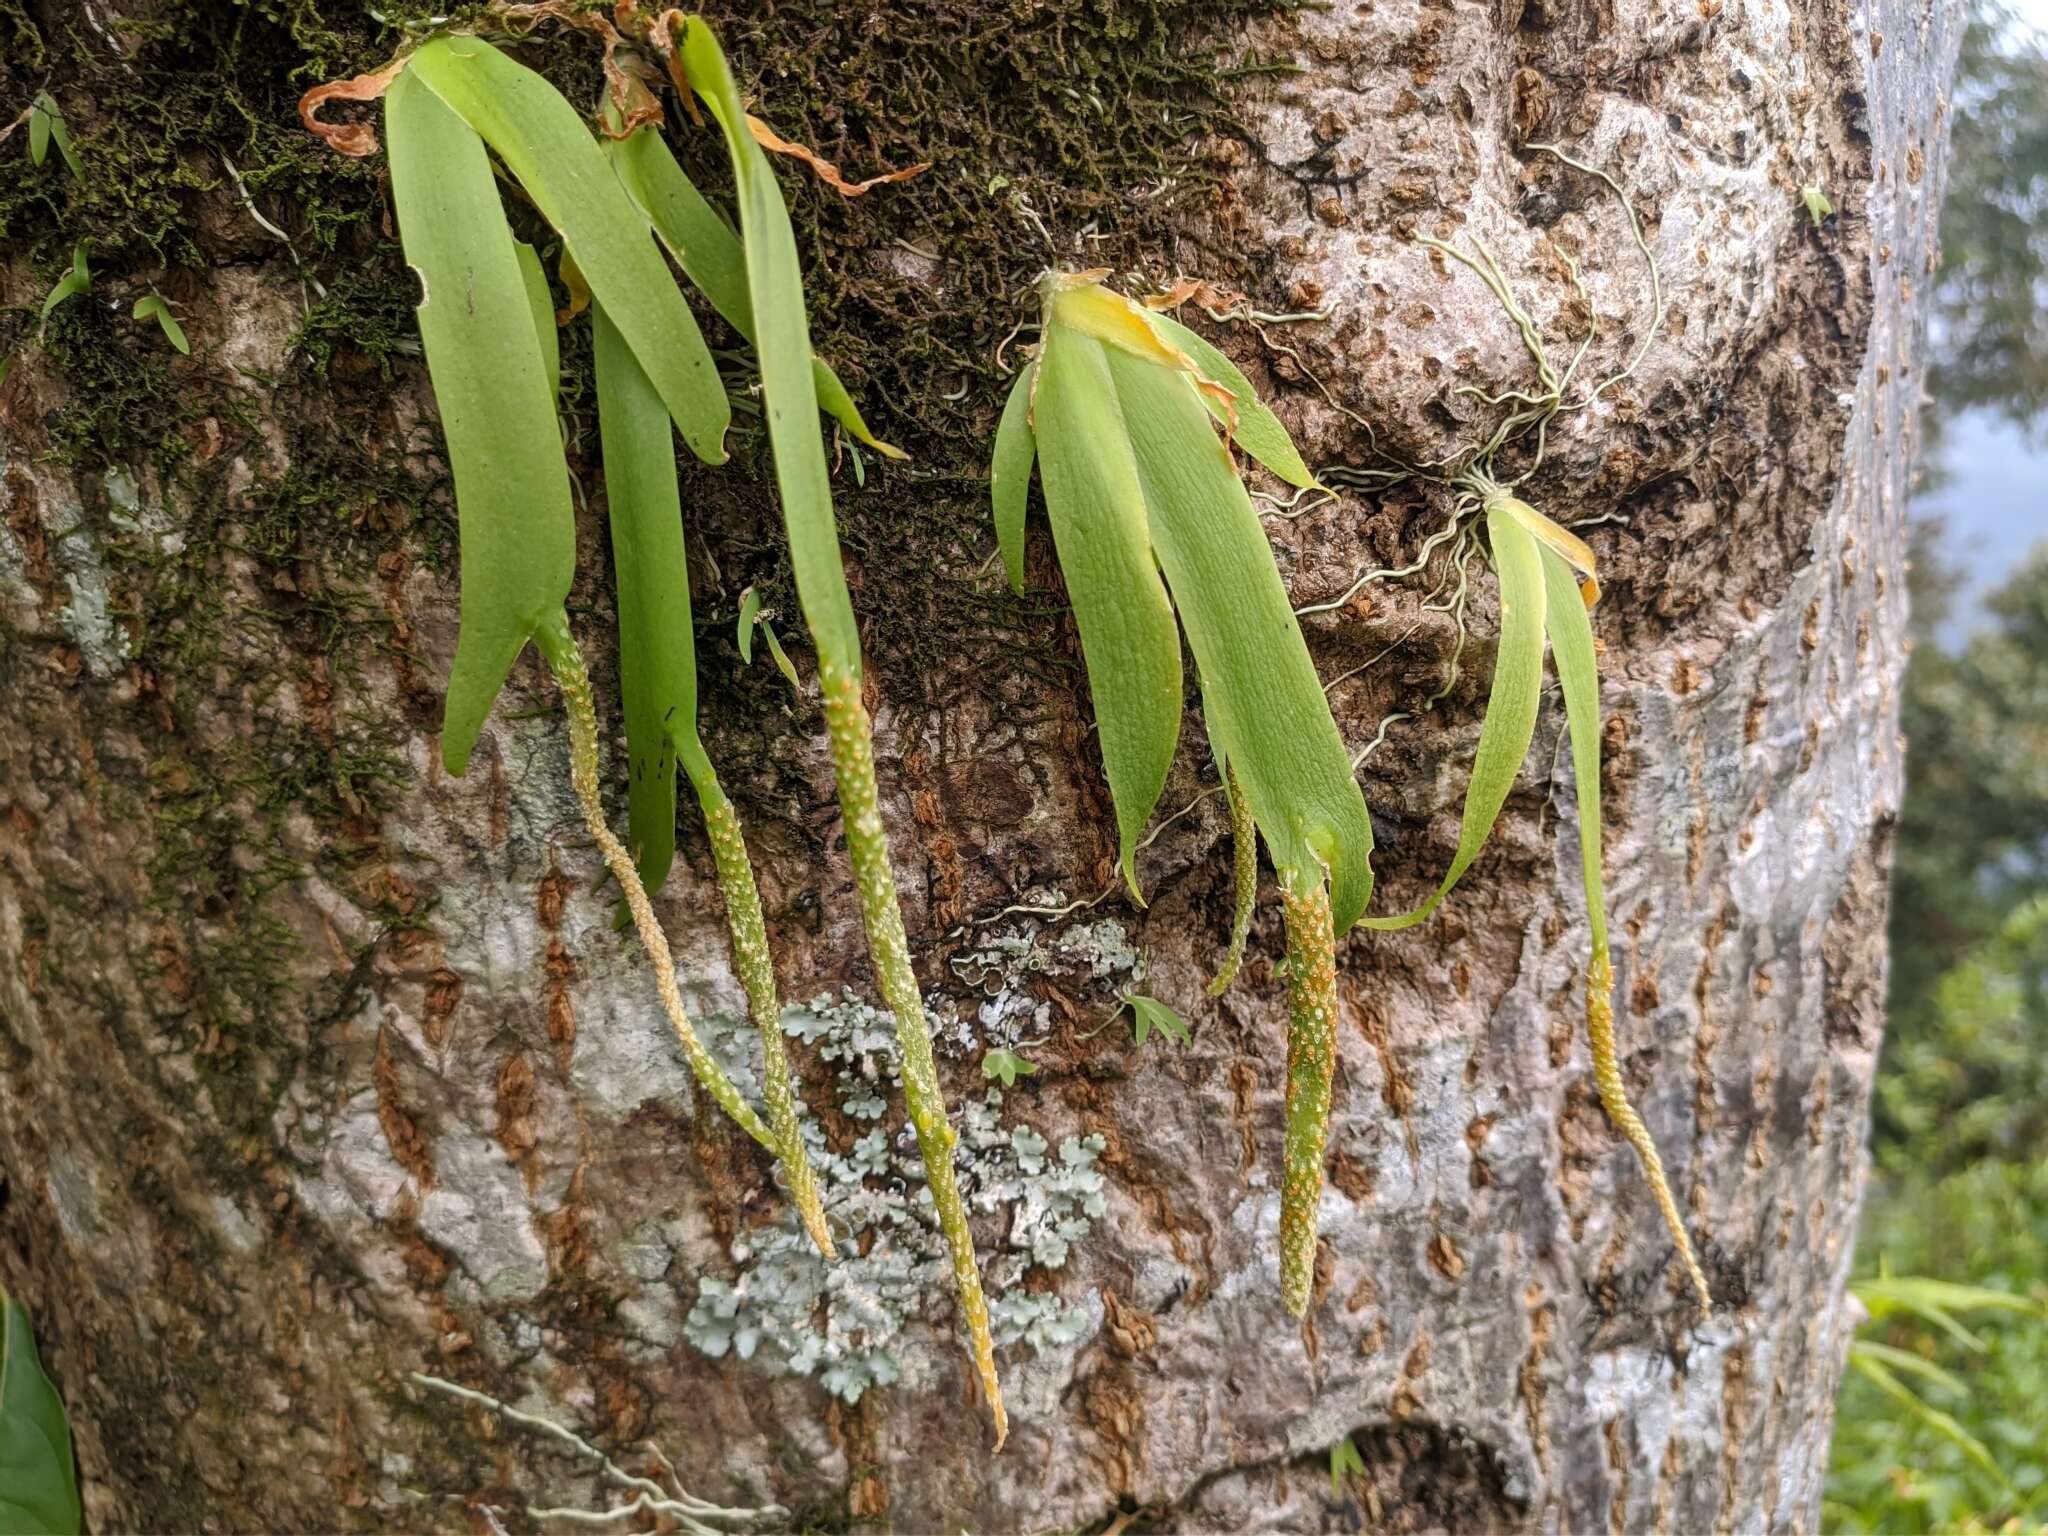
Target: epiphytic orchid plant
(485,319)
(1120,409)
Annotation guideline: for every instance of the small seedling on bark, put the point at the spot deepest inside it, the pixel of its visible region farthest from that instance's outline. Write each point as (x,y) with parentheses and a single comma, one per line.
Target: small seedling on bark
(1005,1067)
(1148,1014)
(154,304)
(46,126)
(1344,1462)
(74,282)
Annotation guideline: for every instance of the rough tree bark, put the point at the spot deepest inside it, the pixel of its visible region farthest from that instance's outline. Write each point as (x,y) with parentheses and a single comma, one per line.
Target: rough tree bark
(321,1068)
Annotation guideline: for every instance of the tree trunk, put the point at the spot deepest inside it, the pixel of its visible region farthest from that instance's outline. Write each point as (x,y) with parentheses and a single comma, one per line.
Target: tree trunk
(323,1068)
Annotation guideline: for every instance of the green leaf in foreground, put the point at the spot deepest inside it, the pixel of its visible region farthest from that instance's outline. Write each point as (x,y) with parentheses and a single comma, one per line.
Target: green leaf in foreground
(1258,682)
(543,303)
(514,521)
(709,253)
(546,147)
(1096,504)
(1253,426)
(657,650)
(1009,474)
(658,679)
(38,1486)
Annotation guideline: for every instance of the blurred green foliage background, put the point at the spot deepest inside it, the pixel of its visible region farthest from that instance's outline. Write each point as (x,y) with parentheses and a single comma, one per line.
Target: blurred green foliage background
(1959,1182)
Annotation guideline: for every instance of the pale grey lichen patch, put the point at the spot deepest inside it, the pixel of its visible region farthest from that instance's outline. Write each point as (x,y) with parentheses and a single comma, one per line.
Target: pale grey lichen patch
(846,1323)
(91,628)
(1001,960)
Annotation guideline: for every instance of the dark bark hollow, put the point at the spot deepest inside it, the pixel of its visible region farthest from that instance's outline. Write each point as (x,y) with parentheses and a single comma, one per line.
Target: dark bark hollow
(322,1068)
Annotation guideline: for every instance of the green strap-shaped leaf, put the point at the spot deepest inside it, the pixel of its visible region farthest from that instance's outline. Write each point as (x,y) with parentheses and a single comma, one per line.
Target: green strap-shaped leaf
(1257,430)
(545,145)
(657,648)
(1009,474)
(38,1489)
(543,304)
(782,337)
(1510,722)
(1257,678)
(1096,503)
(517,531)
(658,681)
(1578,674)
(709,253)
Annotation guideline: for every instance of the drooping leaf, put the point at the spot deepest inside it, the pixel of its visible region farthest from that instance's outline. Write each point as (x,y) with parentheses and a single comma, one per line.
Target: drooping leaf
(657,647)
(1911,1364)
(781,657)
(783,340)
(1571,641)
(1009,473)
(1937,1302)
(1257,678)
(546,147)
(1148,1014)
(516,528)
(1256,429)
(38,1485)
(1879,1374)
(658,684)
(750,612)
(38,134)
(1510,722)
(543,305)
(1096,503)
(709,253)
